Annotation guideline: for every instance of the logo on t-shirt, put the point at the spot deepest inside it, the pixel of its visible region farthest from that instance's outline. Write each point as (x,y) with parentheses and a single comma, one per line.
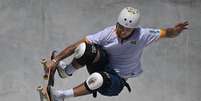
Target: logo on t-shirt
(154,31)
(133,42)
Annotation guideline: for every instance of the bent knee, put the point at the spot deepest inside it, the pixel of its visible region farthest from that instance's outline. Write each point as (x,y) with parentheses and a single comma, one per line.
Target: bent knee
(97,80)
(85,53)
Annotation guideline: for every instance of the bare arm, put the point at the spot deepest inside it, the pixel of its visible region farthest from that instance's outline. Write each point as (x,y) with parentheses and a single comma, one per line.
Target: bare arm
(64,54)
(68,50)
(175,31)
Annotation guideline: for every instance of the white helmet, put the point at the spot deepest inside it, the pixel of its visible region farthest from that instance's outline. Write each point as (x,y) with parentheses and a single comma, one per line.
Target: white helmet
(129,17)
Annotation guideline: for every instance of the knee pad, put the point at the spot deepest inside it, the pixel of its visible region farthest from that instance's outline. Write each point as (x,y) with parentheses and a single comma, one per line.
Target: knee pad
(97,80)
(85,53)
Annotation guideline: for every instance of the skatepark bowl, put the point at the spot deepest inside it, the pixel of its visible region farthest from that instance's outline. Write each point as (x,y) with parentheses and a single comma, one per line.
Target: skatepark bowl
(31,29)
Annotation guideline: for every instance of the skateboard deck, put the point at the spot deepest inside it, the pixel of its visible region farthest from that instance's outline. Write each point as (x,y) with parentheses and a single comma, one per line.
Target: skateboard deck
(44,90)
(44,94)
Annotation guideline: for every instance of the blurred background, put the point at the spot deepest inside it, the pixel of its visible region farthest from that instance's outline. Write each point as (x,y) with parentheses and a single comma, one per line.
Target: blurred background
(31,29)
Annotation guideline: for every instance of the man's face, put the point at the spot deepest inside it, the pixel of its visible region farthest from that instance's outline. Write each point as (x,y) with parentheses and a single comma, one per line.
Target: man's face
(123,32)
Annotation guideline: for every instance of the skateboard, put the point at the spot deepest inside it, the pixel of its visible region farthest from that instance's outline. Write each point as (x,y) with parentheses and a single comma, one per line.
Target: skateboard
(48,77)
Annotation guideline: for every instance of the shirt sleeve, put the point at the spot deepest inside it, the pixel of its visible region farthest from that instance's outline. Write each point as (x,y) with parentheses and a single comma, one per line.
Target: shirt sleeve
(150,35)
(98,38)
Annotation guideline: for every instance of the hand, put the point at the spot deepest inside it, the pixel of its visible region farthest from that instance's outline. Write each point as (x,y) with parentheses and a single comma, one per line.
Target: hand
(50,64)
(181,26)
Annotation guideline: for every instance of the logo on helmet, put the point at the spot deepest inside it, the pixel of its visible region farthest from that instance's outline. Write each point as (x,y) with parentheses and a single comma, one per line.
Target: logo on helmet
(131,10)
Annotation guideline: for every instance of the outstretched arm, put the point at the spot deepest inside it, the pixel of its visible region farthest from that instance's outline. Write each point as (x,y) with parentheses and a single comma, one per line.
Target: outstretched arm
(175,31)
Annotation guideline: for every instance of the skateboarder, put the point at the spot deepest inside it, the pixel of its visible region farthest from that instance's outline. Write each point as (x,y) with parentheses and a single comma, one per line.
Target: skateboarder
(111,55)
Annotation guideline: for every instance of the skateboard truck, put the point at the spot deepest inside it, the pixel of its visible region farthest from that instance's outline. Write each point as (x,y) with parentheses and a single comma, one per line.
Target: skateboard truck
(41,93)
(46,70)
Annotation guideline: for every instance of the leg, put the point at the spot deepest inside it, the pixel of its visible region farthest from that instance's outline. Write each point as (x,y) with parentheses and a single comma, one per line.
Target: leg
(80,90)
(76,65)
(84,54)
(94,82)
(65,70)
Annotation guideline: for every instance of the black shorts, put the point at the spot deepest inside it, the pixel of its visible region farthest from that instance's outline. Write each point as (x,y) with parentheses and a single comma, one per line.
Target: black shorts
(117,83)
(101,64)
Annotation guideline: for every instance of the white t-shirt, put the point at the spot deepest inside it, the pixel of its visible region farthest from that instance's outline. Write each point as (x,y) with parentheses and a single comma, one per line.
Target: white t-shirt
(125,56)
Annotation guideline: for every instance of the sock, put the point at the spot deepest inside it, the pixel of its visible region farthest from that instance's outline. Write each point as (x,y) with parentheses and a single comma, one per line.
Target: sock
(66,93)
(62,64)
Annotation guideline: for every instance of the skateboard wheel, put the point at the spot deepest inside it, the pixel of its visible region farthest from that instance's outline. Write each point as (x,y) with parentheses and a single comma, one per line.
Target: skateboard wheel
(39,88)
(45,77)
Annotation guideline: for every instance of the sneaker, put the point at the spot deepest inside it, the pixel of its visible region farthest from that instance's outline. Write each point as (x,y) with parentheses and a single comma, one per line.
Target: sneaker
(54,94)
(61,70)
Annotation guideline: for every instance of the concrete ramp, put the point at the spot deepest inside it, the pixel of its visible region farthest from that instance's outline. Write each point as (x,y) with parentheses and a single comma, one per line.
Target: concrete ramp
(30,29)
